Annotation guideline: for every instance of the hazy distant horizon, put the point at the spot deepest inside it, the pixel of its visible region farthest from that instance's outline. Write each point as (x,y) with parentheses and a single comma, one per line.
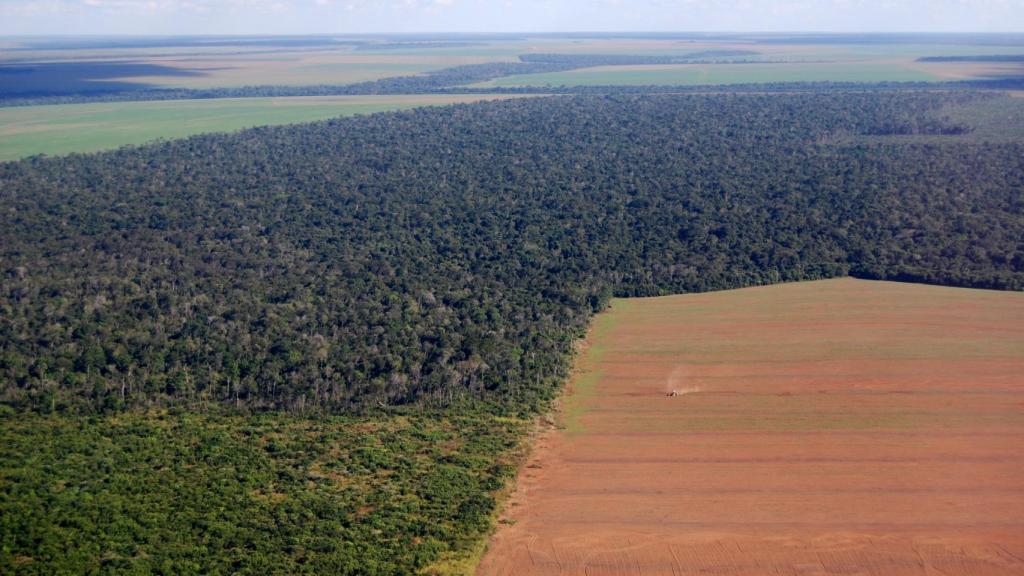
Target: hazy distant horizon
(709,34)
(394,17)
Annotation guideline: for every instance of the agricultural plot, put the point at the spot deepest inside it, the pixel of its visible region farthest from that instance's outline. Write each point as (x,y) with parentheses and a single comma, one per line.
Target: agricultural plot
(64,71)
(300,69)
(717,74)
(841,426)
(776,61)
(66,128)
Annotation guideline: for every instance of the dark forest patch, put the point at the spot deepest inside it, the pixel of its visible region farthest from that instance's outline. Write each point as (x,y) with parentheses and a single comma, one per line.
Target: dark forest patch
(63,78)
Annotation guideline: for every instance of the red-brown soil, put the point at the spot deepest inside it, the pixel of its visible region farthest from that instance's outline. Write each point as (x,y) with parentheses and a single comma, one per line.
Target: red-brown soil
(821,428)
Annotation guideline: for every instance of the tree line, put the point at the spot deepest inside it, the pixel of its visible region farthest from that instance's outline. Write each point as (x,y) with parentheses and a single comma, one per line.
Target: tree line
(975,58)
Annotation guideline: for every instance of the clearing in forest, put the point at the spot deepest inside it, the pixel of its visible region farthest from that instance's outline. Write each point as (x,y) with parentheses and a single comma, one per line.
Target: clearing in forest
(833,427)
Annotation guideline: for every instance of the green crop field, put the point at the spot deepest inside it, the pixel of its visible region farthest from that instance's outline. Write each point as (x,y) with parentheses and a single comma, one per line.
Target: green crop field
(66,128)
(712,74)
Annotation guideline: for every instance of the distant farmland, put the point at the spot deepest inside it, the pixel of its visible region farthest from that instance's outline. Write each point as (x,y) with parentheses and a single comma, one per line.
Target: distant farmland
(61,72)
(712,74)
(66,128)
(42,71)
(840,426)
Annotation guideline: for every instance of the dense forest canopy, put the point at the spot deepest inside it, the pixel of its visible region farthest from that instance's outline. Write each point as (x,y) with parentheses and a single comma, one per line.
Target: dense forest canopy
(453,254)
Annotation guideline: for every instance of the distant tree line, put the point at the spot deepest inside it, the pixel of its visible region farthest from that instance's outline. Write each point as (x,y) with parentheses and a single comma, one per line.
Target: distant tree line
(454,254)
(975,58)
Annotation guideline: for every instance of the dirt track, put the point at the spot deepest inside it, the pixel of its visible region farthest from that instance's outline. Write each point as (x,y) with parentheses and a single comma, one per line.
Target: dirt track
(836,427)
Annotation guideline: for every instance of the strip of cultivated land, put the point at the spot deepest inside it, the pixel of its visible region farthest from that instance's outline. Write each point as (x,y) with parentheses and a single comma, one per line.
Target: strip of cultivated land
(65,128)
(840,426)
(718,74)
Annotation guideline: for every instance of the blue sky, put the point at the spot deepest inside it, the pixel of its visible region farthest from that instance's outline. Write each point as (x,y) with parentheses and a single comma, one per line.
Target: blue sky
(370,16)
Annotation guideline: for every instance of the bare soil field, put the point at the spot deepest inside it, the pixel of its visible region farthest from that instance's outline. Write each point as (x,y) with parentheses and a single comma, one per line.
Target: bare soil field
(834,427)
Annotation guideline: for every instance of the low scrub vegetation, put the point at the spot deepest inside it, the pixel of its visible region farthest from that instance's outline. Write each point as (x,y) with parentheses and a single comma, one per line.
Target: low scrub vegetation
(164,493)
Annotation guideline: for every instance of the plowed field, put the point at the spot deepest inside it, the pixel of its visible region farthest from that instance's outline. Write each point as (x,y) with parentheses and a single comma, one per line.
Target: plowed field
(833,427)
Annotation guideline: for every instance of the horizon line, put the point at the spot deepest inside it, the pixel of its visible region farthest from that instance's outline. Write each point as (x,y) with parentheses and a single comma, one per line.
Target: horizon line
(531,33)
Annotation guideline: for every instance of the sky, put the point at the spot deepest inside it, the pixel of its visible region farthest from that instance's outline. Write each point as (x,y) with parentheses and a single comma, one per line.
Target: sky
(31,17)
